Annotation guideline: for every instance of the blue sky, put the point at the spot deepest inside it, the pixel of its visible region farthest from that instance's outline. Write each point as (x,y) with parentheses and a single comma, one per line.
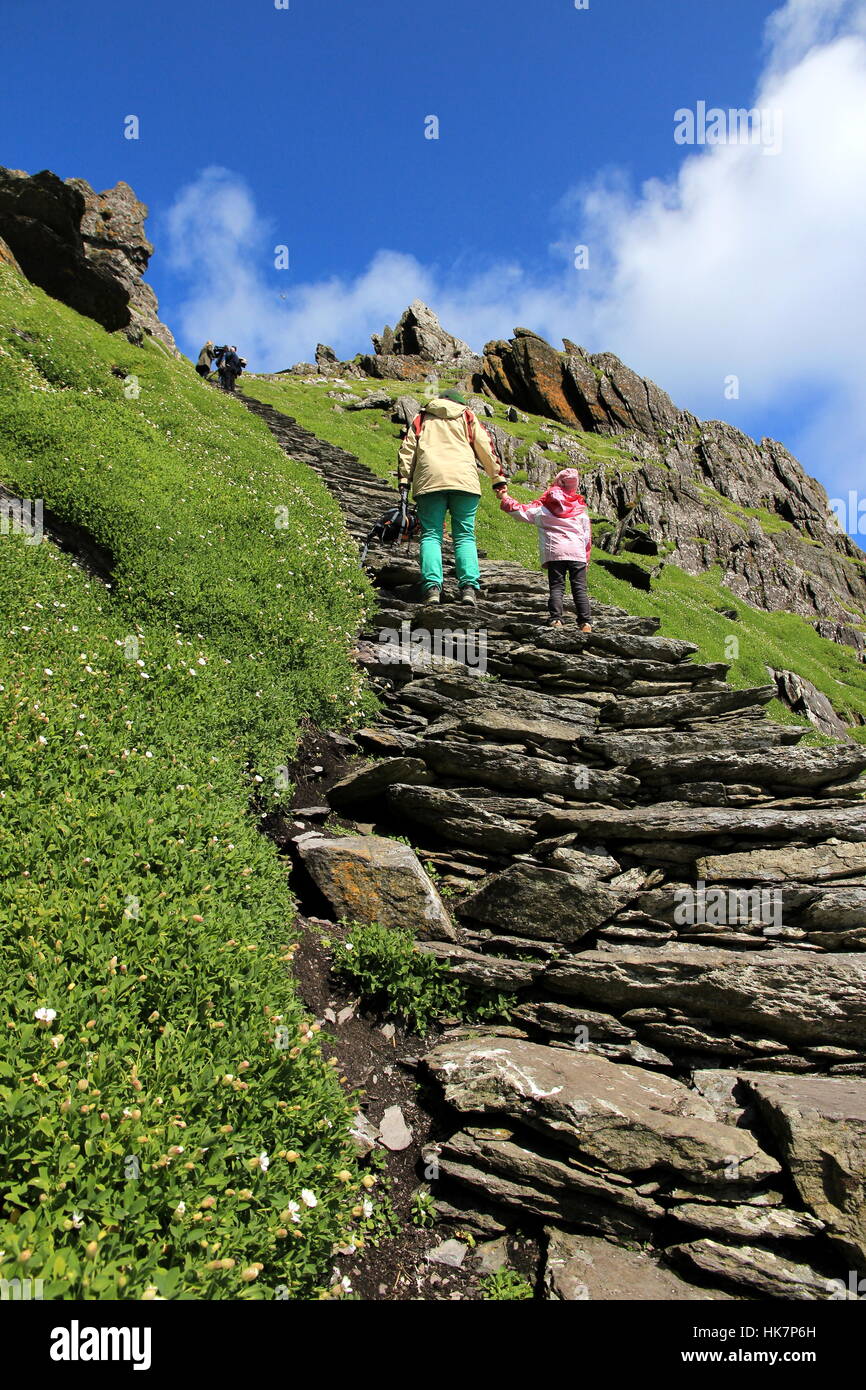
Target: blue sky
(305,127)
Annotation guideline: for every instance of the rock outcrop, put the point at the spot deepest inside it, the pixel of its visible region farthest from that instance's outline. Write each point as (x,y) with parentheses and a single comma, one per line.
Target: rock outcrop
(417,349)
(84,248)
(705,490)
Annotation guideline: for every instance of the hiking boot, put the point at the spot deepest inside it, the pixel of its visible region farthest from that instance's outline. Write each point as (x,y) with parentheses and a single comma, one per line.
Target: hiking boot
(586,627)
(433,596)
(554,622)
(468,595)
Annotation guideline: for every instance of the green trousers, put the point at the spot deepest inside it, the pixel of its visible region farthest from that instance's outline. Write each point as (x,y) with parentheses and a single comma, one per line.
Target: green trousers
(432,507)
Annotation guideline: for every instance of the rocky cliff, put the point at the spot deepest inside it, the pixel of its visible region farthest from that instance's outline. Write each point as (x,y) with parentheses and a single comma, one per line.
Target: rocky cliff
(84,248)
(701,487)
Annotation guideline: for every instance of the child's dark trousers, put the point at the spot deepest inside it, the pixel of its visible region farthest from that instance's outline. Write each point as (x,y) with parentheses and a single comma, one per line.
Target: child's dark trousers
(558,571)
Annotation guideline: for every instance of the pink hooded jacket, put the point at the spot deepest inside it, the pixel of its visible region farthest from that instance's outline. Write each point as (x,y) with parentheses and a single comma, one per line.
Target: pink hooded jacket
(564,529)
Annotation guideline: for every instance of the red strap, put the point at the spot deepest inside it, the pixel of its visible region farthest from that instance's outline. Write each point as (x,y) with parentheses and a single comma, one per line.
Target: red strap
(416,425)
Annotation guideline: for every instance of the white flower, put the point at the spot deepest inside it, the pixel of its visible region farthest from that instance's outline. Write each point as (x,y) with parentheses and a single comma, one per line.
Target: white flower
(367,1207)
(77,1220)
(294,1211)
(309,1198)
(45,1016)
(346,1284)
(180,1209)
(264,1162)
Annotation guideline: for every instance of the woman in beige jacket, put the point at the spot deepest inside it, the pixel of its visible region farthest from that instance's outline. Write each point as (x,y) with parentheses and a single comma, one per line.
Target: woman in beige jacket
(439,457)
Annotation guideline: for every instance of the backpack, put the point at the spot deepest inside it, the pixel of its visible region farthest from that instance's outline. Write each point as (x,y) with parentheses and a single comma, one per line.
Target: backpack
(418,424)
(469,419)
(400,523)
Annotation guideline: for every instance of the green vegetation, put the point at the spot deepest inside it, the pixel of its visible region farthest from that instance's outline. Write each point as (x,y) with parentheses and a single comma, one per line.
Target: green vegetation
(171,1126)
(770,522)
(423,1209)
(390,972)
(687,604)
(214,532)
(506,1285)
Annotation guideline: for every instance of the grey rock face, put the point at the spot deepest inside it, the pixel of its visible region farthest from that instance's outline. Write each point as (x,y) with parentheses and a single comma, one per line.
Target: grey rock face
(759,1273)
(820,1125)
(87,249)
(618,1118)
(781,994)
(580,1268)
(368,879)
(420,334)
(804,698)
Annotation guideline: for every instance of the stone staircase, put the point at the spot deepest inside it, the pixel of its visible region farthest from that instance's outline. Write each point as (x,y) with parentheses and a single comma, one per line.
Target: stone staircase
(673,892)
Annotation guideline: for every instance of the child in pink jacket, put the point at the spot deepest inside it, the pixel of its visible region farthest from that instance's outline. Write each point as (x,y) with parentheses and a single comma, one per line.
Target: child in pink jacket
(564,541)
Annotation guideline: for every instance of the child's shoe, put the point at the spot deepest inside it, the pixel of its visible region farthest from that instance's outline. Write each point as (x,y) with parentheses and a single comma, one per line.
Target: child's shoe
(586,627)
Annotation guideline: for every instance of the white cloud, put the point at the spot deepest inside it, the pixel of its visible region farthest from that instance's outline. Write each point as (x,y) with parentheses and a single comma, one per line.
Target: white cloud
(745,263)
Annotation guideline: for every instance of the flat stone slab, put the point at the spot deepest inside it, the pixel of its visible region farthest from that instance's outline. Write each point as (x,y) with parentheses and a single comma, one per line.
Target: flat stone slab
(369,879)
(797,997)
(759,1273)
(584,1268)
(497,1168)
(366,783)
(394,1133)
(549,904)
(622,1119)
(778,767)
(672,821)
(456,819)
(816,864)
(819,1124)
(515,772)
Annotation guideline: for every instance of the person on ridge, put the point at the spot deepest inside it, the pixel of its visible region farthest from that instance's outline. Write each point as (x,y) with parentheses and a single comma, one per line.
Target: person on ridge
(205,357)
(230,370)
(440,456)
(564,541)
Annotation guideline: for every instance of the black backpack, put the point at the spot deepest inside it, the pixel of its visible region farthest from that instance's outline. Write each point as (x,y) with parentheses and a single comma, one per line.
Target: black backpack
(398,524)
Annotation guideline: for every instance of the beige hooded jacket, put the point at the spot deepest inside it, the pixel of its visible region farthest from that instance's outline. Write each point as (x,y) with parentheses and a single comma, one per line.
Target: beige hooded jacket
(442,457)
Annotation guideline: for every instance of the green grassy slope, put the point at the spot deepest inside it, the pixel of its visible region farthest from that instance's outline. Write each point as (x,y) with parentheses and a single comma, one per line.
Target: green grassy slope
(154,1049)
(687,604)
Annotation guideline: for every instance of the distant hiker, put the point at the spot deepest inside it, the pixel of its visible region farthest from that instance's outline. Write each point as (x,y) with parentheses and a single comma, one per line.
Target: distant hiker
(440,456)
(564,541)
(230,370)
(205,358)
